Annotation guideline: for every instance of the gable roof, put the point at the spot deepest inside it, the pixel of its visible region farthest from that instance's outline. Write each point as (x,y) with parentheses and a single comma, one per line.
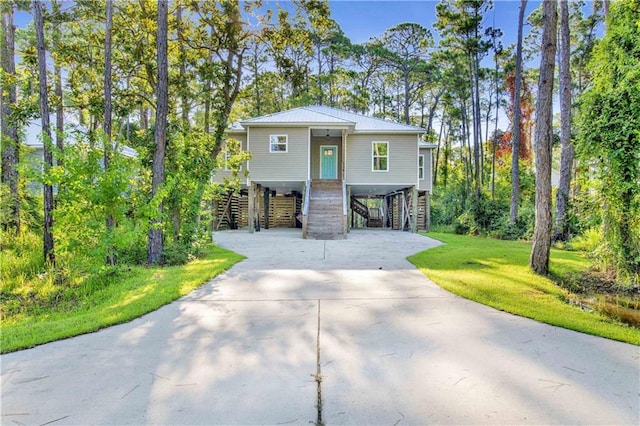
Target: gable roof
(318,115)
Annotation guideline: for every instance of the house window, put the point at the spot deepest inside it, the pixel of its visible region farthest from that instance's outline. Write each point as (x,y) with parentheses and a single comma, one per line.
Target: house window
(380,156)
(421,167)
(227,157)
(278,143)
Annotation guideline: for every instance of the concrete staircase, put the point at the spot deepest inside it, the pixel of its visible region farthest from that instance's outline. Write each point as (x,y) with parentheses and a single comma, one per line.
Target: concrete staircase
(326,214)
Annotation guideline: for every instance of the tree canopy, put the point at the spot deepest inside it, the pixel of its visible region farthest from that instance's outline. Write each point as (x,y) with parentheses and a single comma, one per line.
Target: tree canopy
(227,61)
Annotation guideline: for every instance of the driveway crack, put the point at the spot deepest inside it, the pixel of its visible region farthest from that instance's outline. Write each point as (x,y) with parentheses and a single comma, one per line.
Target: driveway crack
(318,376)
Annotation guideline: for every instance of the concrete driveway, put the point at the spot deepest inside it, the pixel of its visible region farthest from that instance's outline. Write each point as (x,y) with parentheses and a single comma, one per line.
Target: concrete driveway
(337,332)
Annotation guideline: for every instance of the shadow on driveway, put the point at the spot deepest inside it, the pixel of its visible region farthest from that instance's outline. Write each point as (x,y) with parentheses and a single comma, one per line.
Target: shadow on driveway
(391,347)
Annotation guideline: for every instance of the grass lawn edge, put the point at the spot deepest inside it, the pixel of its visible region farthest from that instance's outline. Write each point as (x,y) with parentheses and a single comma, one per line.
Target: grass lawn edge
(475,268)
(147,290)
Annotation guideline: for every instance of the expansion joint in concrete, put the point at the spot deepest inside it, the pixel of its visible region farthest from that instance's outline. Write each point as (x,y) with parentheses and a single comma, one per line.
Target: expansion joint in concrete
(318,376)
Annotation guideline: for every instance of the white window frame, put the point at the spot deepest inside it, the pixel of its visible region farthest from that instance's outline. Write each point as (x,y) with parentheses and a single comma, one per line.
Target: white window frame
(421,158)
(227,156)
(278,142)
(373,157)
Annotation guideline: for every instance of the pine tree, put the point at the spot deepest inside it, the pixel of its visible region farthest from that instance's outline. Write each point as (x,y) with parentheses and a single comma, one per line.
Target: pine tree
(543,135)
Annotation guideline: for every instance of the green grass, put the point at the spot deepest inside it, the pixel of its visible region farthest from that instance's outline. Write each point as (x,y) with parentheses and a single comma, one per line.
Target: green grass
(496,273)
(131,294)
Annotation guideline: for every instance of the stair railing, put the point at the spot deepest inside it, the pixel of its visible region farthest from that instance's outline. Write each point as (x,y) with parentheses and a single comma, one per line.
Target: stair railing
(345,208)
(305,208)
(360,208)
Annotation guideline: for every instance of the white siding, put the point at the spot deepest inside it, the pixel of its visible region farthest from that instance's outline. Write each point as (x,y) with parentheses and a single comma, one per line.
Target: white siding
(403,161)
(289,166)
(426,183)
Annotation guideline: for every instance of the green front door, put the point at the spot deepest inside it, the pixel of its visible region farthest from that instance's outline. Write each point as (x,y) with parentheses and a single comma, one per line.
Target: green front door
(328,162)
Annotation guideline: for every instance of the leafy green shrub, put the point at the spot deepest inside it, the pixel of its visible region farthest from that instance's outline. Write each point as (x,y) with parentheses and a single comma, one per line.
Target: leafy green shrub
(176,253)
(465,224)
(22,260)
(131,248)
(588,242)
(505,230)
(455,205)
(446,206)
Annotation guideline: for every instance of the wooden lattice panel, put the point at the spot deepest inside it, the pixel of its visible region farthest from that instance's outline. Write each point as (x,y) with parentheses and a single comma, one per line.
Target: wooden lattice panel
(282,212)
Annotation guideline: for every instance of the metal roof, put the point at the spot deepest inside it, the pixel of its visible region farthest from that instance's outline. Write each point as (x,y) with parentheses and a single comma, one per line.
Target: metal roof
(423,144)
(318,115)
(366,123)
(302,115)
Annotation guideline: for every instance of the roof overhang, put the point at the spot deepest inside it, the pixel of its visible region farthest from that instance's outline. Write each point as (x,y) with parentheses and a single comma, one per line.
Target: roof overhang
(389,132)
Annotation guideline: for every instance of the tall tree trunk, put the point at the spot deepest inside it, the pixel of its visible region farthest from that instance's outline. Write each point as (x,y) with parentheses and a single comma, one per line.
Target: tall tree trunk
(515,145)
(319,75)
(478,120)
(495,135)
(10,141)
(57,72)
(256,83)
(435,166)
(48,245)
(447,150)
(184,99)
(476,151)
(174,201)
(231,89)
(207,109)
(543,135)
(106,123)
(566,158)
(155,230)
(144,117)
(432,109)
(207,101)
(405,105)
(466,138)
(487,116)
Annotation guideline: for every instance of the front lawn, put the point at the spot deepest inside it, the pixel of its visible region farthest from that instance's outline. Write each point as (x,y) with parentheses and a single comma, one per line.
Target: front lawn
(130,294)
(496,273)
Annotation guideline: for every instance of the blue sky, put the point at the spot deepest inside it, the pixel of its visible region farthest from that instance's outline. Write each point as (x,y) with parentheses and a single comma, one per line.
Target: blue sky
(362,19)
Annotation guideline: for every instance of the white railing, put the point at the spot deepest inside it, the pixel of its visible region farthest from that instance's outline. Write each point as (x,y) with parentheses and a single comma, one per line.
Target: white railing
(307,194)
(345,209)
(305,208)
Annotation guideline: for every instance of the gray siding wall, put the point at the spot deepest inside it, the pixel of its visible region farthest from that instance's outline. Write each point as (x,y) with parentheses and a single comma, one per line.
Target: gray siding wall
(220,174)
(426,183)
(403,161)
(316,143)
(289,166)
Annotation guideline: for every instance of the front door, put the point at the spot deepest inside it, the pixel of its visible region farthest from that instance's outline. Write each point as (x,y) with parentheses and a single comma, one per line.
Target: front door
(329,162)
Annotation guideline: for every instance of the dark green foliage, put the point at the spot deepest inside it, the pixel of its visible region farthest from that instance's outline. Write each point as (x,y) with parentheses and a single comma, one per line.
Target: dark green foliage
(610,135)
(453,205)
